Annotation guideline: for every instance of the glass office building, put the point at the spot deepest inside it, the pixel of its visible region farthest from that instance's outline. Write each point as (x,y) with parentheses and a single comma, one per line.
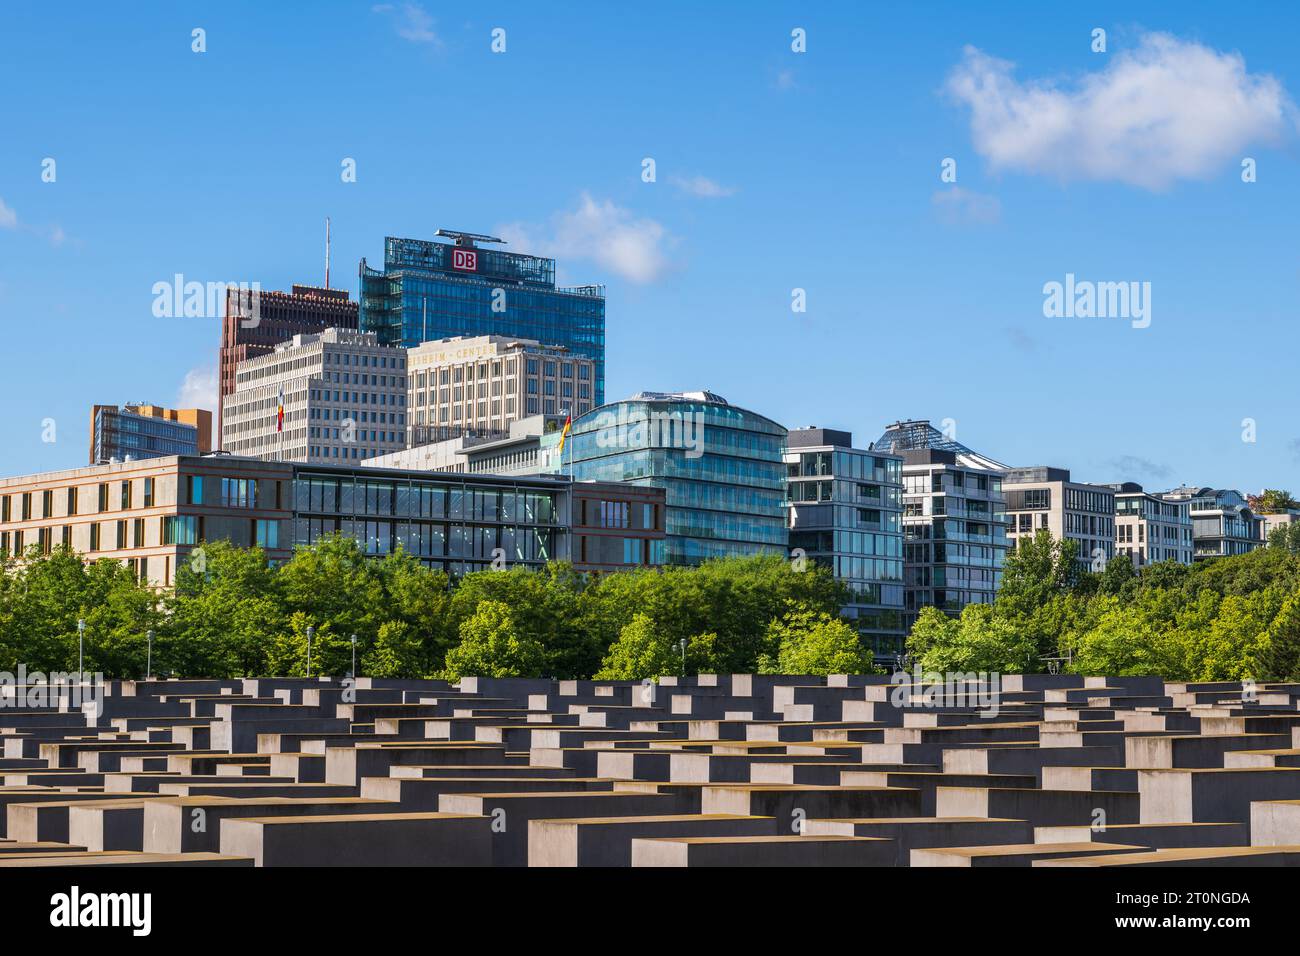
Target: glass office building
(437,290)
(459,524)
(147,431)
(721,467)
(845,510)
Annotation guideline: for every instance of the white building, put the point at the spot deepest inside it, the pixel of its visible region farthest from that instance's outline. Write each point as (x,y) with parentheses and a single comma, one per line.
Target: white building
(1150,528)
(344,399)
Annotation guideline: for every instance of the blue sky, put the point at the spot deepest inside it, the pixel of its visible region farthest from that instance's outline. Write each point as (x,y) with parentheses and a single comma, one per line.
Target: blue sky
(775,170)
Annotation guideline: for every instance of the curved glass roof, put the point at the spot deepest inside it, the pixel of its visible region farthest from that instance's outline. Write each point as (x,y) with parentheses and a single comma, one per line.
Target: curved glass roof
(921,435)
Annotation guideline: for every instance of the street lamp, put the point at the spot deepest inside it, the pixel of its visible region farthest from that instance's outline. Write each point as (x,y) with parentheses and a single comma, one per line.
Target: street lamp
(354,656)
(81,645)
(681,646)
(311,632)
(148,667)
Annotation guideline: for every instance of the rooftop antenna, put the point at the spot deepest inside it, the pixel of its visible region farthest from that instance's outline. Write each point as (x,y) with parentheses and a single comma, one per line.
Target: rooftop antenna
(327,252)
(467,239)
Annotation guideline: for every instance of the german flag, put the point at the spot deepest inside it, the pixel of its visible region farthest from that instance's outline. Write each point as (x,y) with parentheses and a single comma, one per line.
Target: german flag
(564,435)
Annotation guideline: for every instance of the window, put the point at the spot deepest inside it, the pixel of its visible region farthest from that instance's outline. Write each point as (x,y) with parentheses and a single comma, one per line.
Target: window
(196,489)
(72,501)
(94,534)
(180,529)
(631,550)
(126,496)
(266,534)
(47,503)
(121,535)
(148,493)
(103,497)
(615,514)
(137,533)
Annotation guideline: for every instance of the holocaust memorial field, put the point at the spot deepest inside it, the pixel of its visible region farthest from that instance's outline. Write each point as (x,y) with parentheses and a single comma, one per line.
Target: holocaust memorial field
(733,770)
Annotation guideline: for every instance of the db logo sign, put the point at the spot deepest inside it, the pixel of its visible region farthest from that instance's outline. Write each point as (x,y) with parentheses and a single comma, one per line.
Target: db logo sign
(464,259)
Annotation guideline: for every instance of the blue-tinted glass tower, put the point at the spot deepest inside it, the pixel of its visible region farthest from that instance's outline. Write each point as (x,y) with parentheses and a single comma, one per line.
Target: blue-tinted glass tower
(722,469)
(436,290)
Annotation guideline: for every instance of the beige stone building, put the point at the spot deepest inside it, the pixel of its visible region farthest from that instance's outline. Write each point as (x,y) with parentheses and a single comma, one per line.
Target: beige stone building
(344,400)
(478,386)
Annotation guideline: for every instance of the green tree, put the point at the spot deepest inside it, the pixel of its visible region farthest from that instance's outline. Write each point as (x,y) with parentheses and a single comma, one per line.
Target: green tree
(491,645)
(983,640)
(641,651)
(807,641)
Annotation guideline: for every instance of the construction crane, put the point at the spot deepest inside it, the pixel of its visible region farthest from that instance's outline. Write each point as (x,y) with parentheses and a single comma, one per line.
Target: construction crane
(467,239)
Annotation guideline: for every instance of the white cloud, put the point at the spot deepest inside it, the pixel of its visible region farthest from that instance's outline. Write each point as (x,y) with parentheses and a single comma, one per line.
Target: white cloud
(200,390)
(8,218)
(957,206)
(1168,110)
(702,187)
(411,21)
(602,232)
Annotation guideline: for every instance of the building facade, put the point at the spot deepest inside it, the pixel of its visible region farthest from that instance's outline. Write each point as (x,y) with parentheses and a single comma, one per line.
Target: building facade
(252,327)
(1043,497)
(479,386)
(344,399)
(721,467)
(1150,529)
(153,514)
(844,510)
(954,523)
(1222,522)
(438,290)
(150,513)
(148,431)
(616,526)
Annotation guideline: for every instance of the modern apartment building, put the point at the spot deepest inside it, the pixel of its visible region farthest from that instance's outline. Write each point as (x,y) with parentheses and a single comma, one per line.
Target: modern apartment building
(344,398)
(1271,521)
(954,525)
(254,325)
(153,514)
(844,510)
(437,290)
(1222,522)
(1044,497)
(1149,528)
(721,467)
(479,386)
(148,431)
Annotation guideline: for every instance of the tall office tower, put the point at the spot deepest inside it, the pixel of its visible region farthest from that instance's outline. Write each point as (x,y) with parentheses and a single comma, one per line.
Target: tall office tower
(148,431)
(954,526)
(1222,522)
(1043,497)
(278,318)
(722,468)
(343,397)
(437,290)
(845,512)
(1150,529)
(480,386)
